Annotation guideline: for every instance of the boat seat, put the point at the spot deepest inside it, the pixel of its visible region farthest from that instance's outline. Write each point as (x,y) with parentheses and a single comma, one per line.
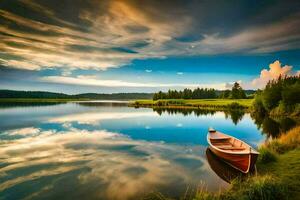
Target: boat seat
(231,148)
(220,138)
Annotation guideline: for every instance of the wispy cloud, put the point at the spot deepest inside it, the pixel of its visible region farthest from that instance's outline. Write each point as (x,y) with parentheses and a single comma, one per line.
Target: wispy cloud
(94,81)
(108,34)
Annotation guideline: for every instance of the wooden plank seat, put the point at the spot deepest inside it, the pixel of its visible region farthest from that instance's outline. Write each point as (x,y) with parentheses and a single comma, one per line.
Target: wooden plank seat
(220,138)
(231,148)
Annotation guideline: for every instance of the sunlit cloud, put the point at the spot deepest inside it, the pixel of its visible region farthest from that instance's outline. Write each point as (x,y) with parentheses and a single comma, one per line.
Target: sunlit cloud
(24,131)
(275,70)
(94,81)
(108,34)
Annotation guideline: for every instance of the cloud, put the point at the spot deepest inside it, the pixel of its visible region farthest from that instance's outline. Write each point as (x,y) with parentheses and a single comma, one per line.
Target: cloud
(275,70)
(28,131)
(94,81)
(179,73)
(148,70)
(112,33)
(230,84)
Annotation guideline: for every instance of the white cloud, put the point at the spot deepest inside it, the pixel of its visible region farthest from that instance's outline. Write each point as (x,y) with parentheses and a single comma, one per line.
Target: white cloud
(230,84)
(179,73)
(24,131)
(93,81)
(148,70)
(275,70)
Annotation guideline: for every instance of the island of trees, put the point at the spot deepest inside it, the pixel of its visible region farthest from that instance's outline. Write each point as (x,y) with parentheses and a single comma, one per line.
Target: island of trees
(236,92)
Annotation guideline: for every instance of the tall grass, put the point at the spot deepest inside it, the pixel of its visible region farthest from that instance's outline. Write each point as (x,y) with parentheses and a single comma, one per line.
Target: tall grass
(195,103)
(266,155)
(253,188)
(286,142)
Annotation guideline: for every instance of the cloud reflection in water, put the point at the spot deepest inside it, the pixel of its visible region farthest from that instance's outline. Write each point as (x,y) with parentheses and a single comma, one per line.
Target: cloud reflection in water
(115,166)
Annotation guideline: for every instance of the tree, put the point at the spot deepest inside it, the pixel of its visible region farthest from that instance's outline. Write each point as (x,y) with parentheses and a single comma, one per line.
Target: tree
(225,94)
(237,92)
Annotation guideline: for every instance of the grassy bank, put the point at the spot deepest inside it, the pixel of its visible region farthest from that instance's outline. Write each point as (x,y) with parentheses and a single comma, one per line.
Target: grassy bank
(37,100)
(219,104)
(278,174)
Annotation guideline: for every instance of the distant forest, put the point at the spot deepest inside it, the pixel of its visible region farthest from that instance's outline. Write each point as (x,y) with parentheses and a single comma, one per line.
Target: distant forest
(52,95)
(198,93)
(236,92)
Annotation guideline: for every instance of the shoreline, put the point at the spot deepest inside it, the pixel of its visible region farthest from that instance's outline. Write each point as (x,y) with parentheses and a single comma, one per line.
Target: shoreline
(195,104)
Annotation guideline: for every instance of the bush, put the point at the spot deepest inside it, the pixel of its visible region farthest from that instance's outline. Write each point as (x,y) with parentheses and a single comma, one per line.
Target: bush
(266,155)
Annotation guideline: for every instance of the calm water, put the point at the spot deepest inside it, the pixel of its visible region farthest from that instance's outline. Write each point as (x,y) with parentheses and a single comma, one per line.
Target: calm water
(99,151)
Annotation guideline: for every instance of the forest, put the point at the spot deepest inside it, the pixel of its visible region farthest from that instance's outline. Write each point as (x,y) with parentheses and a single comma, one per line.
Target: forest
(280,97)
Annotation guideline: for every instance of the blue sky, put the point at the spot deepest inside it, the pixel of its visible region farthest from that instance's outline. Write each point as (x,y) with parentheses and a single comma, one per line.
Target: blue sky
(131,46)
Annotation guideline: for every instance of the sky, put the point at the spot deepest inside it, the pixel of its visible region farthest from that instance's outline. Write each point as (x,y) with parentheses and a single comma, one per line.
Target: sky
(110,46)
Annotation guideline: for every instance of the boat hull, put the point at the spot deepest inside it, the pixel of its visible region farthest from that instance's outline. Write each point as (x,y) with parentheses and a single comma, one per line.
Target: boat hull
(242,162)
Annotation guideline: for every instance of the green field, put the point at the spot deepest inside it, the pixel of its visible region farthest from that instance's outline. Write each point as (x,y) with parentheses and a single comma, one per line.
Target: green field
(192,103)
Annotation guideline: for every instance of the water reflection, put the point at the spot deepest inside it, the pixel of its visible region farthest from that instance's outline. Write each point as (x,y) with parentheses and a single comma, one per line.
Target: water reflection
(272,127)
(71,150)
(222,169)
(234,114)
(27,104)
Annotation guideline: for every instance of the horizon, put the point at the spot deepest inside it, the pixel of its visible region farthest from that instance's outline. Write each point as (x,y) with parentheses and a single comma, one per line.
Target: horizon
(130,47)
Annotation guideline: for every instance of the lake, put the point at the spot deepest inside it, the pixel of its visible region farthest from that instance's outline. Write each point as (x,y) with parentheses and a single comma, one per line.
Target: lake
(104,150)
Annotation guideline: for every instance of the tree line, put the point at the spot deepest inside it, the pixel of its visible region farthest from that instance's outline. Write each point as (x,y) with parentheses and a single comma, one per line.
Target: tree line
(280,97)
(236,92)
(53,95)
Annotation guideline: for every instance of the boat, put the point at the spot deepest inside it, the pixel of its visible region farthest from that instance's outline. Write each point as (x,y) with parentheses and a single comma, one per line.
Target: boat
(233,151)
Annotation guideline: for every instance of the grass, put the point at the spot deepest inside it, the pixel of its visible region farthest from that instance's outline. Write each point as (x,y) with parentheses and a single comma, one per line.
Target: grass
(36,100)
(266,155)
(286,142)
(194,103)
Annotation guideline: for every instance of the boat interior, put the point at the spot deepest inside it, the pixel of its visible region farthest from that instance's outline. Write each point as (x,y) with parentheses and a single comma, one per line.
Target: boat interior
(227,143)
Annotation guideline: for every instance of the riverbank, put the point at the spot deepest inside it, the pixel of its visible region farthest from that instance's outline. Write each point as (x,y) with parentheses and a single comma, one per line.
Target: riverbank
(215,104)
(278,174)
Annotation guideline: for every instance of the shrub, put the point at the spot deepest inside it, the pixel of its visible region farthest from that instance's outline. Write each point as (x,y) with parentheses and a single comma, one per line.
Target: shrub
(266,155)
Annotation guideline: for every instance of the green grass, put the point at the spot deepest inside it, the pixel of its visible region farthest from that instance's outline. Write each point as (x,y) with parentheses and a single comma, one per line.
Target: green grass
(194,103)
(266,155)
(37,100)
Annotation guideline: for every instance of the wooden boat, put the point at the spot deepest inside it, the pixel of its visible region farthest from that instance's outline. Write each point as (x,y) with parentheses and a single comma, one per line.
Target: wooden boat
(233,151)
